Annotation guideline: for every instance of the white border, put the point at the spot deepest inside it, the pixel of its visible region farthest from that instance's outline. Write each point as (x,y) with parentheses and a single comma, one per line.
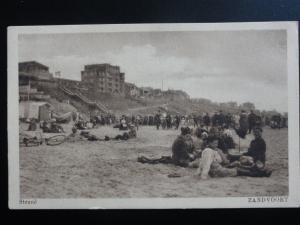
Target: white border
(293,199)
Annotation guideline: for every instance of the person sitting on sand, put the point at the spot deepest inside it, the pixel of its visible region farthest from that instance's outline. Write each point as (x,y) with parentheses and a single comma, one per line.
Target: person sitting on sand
(257,154)
(213,161)
(80,124)
(257,149)
(199,139)
(132,131)
(32,125)
(184,152)
(123,123)
(126,135)
(225,140)
(183,149)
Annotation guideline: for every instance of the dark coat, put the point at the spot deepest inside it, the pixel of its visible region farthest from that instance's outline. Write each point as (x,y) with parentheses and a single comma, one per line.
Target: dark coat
(182,149)
(206,120)
(251,119)
(257,150)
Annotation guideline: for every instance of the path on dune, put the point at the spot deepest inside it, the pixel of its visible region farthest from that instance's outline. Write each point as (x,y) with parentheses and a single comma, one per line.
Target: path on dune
(147,107)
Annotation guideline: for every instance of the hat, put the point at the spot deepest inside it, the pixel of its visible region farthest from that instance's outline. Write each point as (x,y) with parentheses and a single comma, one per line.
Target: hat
(185,130)
(258,128)
(204,135)
(212,138)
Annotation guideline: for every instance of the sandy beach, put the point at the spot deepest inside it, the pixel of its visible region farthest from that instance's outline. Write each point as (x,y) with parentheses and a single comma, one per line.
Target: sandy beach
(80,168)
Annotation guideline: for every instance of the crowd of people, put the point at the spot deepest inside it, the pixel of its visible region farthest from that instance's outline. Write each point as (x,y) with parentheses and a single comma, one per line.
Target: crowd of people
(208,151)
(204,143)
(165,120)
(243,121)
(212,158)
(207,146)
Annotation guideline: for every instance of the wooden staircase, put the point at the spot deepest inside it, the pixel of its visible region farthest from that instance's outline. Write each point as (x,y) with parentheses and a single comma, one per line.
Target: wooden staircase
(84,99)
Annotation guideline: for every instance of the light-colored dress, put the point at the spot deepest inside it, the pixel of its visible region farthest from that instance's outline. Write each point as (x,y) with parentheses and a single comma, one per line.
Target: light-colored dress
(211,164)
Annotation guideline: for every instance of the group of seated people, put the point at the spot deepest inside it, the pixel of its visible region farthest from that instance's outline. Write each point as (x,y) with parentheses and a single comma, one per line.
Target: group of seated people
(81,124)
(211,155)
(131,133)
(123,125)
(51,127)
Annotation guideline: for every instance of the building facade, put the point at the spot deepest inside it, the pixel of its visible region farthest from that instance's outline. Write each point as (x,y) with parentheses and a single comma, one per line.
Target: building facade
(103,78)
(146,91)
(131,90)
(34,78)
(34,70)
(71,84)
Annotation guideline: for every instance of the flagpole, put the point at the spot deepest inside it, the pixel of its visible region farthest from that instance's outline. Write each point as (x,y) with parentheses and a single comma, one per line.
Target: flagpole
(28,90)
(28,97)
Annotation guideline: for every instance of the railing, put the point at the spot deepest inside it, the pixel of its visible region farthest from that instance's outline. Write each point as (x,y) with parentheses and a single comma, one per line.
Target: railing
(85,99)
(99,105)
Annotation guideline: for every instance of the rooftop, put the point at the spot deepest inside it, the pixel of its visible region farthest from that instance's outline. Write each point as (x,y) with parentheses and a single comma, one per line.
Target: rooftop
(35,63)
(101,65)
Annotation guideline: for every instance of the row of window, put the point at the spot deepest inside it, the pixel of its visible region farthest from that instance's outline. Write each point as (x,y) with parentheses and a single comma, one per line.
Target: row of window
(109,84)
(109,90)
(91,79)
(109,79)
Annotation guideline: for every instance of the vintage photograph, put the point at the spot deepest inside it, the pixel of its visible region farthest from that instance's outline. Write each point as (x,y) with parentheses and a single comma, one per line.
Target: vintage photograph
(154,112)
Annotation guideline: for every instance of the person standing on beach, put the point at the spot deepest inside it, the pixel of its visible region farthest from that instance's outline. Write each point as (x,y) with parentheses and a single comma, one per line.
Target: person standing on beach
(206,120)
(243,124)
(251,121)
(157,119)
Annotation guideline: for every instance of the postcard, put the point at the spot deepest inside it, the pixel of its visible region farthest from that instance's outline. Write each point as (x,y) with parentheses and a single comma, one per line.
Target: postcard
(152,116)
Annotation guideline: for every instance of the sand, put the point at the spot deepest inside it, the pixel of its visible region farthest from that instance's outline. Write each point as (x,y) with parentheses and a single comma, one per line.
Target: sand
(84,169)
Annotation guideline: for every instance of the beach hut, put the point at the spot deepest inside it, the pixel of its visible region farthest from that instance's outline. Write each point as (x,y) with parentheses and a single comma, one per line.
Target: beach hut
(37,110)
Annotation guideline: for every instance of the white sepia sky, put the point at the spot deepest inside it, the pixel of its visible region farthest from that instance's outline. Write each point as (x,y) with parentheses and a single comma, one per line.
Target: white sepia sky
(218,65)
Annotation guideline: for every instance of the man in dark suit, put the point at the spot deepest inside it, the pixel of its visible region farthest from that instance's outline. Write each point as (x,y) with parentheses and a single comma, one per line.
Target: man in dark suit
(251,121)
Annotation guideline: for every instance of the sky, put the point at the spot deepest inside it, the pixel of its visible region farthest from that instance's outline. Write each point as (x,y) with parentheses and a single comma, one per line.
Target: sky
(221,66)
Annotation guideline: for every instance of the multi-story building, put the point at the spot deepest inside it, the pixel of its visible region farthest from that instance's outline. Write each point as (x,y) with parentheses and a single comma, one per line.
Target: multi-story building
(131,90)
(67,83)
(146,91)
(103,78)
(34,70)
(34,78)
(176,94)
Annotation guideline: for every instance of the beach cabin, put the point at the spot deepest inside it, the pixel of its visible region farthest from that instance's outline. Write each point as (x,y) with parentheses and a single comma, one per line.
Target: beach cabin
(37,110)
